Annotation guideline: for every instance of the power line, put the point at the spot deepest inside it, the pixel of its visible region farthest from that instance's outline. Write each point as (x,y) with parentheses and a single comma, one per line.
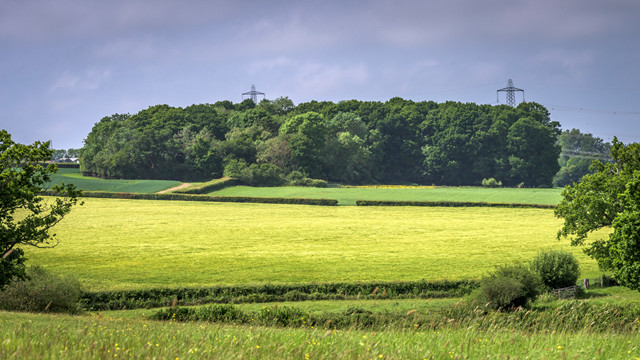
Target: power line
(595,111)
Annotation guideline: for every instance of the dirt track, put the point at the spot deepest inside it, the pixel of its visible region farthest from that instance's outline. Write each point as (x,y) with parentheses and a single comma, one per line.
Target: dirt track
(174,188)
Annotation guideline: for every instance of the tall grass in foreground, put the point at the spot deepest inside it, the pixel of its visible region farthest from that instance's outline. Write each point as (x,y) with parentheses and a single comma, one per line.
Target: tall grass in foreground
(570,316)
(27,336)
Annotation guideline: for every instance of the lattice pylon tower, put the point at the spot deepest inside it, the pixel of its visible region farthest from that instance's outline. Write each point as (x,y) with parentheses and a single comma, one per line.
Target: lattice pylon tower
(511,93)
(253,94)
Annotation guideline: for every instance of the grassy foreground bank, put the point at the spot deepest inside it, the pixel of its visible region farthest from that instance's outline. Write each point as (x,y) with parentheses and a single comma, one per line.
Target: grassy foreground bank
(28,336)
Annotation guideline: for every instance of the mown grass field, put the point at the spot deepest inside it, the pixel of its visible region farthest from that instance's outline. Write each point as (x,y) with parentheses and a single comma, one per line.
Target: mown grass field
(136,244)
(29,336)
(345,196)
(348,196)
(73,176)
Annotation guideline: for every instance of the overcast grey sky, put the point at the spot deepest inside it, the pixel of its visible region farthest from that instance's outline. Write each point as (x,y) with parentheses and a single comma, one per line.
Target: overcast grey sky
(65,64)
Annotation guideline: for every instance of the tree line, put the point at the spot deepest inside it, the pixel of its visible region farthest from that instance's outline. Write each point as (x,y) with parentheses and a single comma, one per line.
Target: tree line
(397,141)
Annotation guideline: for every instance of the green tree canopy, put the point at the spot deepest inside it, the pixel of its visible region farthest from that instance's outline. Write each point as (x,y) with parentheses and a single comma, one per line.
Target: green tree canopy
(608,198)
(25,217)
(578,151)
(398,141)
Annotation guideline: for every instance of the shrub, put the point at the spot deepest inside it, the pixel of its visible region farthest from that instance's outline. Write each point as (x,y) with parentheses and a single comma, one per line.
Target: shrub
(509,287)
(282,315)
(42,291)
(254,174)
(12,267)
(557,269)
(296,178)
(491,182)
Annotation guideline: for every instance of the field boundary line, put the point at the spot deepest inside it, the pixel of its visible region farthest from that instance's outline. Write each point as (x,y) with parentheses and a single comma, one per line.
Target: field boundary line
(207,198)
(451,204)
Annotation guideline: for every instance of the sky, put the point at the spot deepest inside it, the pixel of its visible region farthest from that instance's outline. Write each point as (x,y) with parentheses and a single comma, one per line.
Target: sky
(65,64)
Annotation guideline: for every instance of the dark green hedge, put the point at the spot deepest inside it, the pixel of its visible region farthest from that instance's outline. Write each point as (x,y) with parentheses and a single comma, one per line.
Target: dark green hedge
(64,165)
(207,187)
(451,204)
(188,197)
(567,316)
(148,298)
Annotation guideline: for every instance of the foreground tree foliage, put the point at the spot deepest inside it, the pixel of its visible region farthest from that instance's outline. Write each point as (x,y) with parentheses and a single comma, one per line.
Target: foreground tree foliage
(610,197)
(25,217)
(578,151)
(399,141)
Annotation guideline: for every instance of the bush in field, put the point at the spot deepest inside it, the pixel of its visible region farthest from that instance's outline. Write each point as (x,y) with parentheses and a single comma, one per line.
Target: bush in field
(491,182)
(42,291)
(509,287)
(296,178)
(557,269)
(254,174)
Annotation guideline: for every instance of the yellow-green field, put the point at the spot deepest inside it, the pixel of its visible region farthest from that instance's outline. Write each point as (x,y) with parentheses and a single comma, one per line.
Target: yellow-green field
(131,244)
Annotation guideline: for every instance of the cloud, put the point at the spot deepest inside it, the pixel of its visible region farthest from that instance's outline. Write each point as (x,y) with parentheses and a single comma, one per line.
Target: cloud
(89,79)
(423,22)
(269,64)
(319,78)
(309,77)
(565,65)
(139,48)
(61,20)
(566,58)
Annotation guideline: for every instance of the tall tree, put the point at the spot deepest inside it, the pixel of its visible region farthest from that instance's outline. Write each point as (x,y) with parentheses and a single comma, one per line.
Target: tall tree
(608,198)
(578,151)
(534,152)
(25,217)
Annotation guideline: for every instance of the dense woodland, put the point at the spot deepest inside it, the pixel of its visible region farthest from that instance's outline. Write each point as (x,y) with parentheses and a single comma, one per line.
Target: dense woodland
(274,142)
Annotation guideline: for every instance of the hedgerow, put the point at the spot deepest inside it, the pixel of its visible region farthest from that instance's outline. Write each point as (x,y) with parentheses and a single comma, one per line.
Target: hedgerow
(567,317)
(451,204)
(207,187)
(188,197)
(147,298)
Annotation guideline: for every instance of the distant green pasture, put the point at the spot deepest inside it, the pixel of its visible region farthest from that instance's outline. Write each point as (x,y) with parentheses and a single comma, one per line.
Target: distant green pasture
(135,244)
(73,176)
(348,196)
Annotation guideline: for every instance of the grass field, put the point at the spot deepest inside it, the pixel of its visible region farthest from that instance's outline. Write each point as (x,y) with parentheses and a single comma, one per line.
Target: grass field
(133,244)
(29,336)
(345,196)
(73,176)
(348,196)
